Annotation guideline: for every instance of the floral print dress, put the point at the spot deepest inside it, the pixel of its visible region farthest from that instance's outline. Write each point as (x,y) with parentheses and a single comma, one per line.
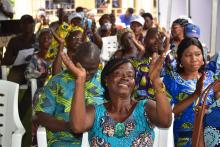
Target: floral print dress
(135,131)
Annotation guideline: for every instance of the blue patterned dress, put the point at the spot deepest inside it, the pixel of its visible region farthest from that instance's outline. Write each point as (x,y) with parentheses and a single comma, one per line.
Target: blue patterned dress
(179,89)
(214,64)
(212,125)
(136,130)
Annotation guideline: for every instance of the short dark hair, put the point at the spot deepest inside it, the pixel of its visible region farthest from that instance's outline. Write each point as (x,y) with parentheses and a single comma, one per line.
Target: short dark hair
(185,43)
(79,9)
(147,15)
(45,31)
(87,50)
(26,18)
(130,10)
(104,16)
(181,21)
(111,66)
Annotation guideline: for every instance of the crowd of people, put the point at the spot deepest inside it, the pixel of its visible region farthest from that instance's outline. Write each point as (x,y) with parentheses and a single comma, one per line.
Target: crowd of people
(152,74)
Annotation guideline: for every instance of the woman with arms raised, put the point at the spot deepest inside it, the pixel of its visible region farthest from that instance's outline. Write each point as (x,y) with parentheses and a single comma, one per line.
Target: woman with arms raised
(122,121)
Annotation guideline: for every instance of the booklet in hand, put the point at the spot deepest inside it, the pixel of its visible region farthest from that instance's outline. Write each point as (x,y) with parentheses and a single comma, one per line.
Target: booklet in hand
(23,55)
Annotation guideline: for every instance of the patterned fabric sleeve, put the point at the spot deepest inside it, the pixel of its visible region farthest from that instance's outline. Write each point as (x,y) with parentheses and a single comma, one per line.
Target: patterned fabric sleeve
(94,92)
(47,99)
(170,87)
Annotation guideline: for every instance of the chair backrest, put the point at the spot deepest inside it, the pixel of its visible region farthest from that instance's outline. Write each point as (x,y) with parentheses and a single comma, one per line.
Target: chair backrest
(4,71)
(33,83)
(164,137)
(9,117)
(85,141)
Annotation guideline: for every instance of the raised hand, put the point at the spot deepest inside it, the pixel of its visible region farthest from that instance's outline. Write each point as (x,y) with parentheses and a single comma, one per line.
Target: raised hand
(93,26)
(199,85)
(156,66)
(86,26)
(166,34)
(77,70)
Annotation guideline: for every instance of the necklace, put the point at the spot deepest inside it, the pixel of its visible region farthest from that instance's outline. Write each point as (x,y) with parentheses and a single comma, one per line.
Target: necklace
(120,129)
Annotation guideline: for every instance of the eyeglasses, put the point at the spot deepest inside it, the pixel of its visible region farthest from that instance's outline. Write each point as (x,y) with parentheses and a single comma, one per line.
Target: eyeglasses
(76,37)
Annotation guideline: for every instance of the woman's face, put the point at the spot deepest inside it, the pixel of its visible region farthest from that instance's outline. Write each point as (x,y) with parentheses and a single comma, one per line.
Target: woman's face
(137,28)
(45,40)
(105,28)
(148,23)
(77,22)
(127,41)
(192,58)
(177,30)
(154,44)
(122,80)
(74,42)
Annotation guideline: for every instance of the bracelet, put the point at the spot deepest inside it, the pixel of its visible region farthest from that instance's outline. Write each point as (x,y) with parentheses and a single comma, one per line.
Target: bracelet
(161,90)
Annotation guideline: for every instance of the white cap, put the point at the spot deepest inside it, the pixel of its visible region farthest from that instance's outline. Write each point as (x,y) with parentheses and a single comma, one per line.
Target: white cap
(187,18)
(41,13)
(138,19)
(75,15)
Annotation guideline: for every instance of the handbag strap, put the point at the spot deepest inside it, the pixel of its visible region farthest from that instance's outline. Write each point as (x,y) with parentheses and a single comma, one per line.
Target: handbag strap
(205,93)
(199,112)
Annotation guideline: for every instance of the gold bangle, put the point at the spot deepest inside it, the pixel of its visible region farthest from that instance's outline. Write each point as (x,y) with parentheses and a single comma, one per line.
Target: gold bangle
(161,90)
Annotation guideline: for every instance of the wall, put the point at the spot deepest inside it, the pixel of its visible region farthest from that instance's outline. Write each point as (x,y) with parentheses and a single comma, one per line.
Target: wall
(22,7)
(163,9)
(200,14)
(85,3)
(178,9)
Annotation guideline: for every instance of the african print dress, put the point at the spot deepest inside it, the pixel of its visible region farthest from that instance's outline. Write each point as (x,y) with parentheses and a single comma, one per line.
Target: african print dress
(212,125)
(56,99)
(179,89)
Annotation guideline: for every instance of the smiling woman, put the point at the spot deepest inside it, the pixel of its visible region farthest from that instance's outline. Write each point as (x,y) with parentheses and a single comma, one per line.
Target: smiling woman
(122,120)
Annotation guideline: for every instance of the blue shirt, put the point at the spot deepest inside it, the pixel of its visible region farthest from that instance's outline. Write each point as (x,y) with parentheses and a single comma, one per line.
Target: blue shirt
(214,64)
(125,20)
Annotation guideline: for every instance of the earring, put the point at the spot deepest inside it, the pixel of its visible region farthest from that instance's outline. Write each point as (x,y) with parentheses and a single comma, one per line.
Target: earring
(181,66)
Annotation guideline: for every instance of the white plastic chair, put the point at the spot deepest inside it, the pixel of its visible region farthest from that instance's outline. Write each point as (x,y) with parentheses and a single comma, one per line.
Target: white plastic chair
(85,141)
(33,84)
(164,137)
(11,128)
(5,70)
(42,138)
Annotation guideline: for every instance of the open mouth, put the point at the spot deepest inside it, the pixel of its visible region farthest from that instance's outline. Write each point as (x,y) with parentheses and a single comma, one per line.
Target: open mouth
(123,84)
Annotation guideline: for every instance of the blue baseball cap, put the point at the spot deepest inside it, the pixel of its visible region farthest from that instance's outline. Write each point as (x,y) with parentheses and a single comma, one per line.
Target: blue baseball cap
(192,30)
